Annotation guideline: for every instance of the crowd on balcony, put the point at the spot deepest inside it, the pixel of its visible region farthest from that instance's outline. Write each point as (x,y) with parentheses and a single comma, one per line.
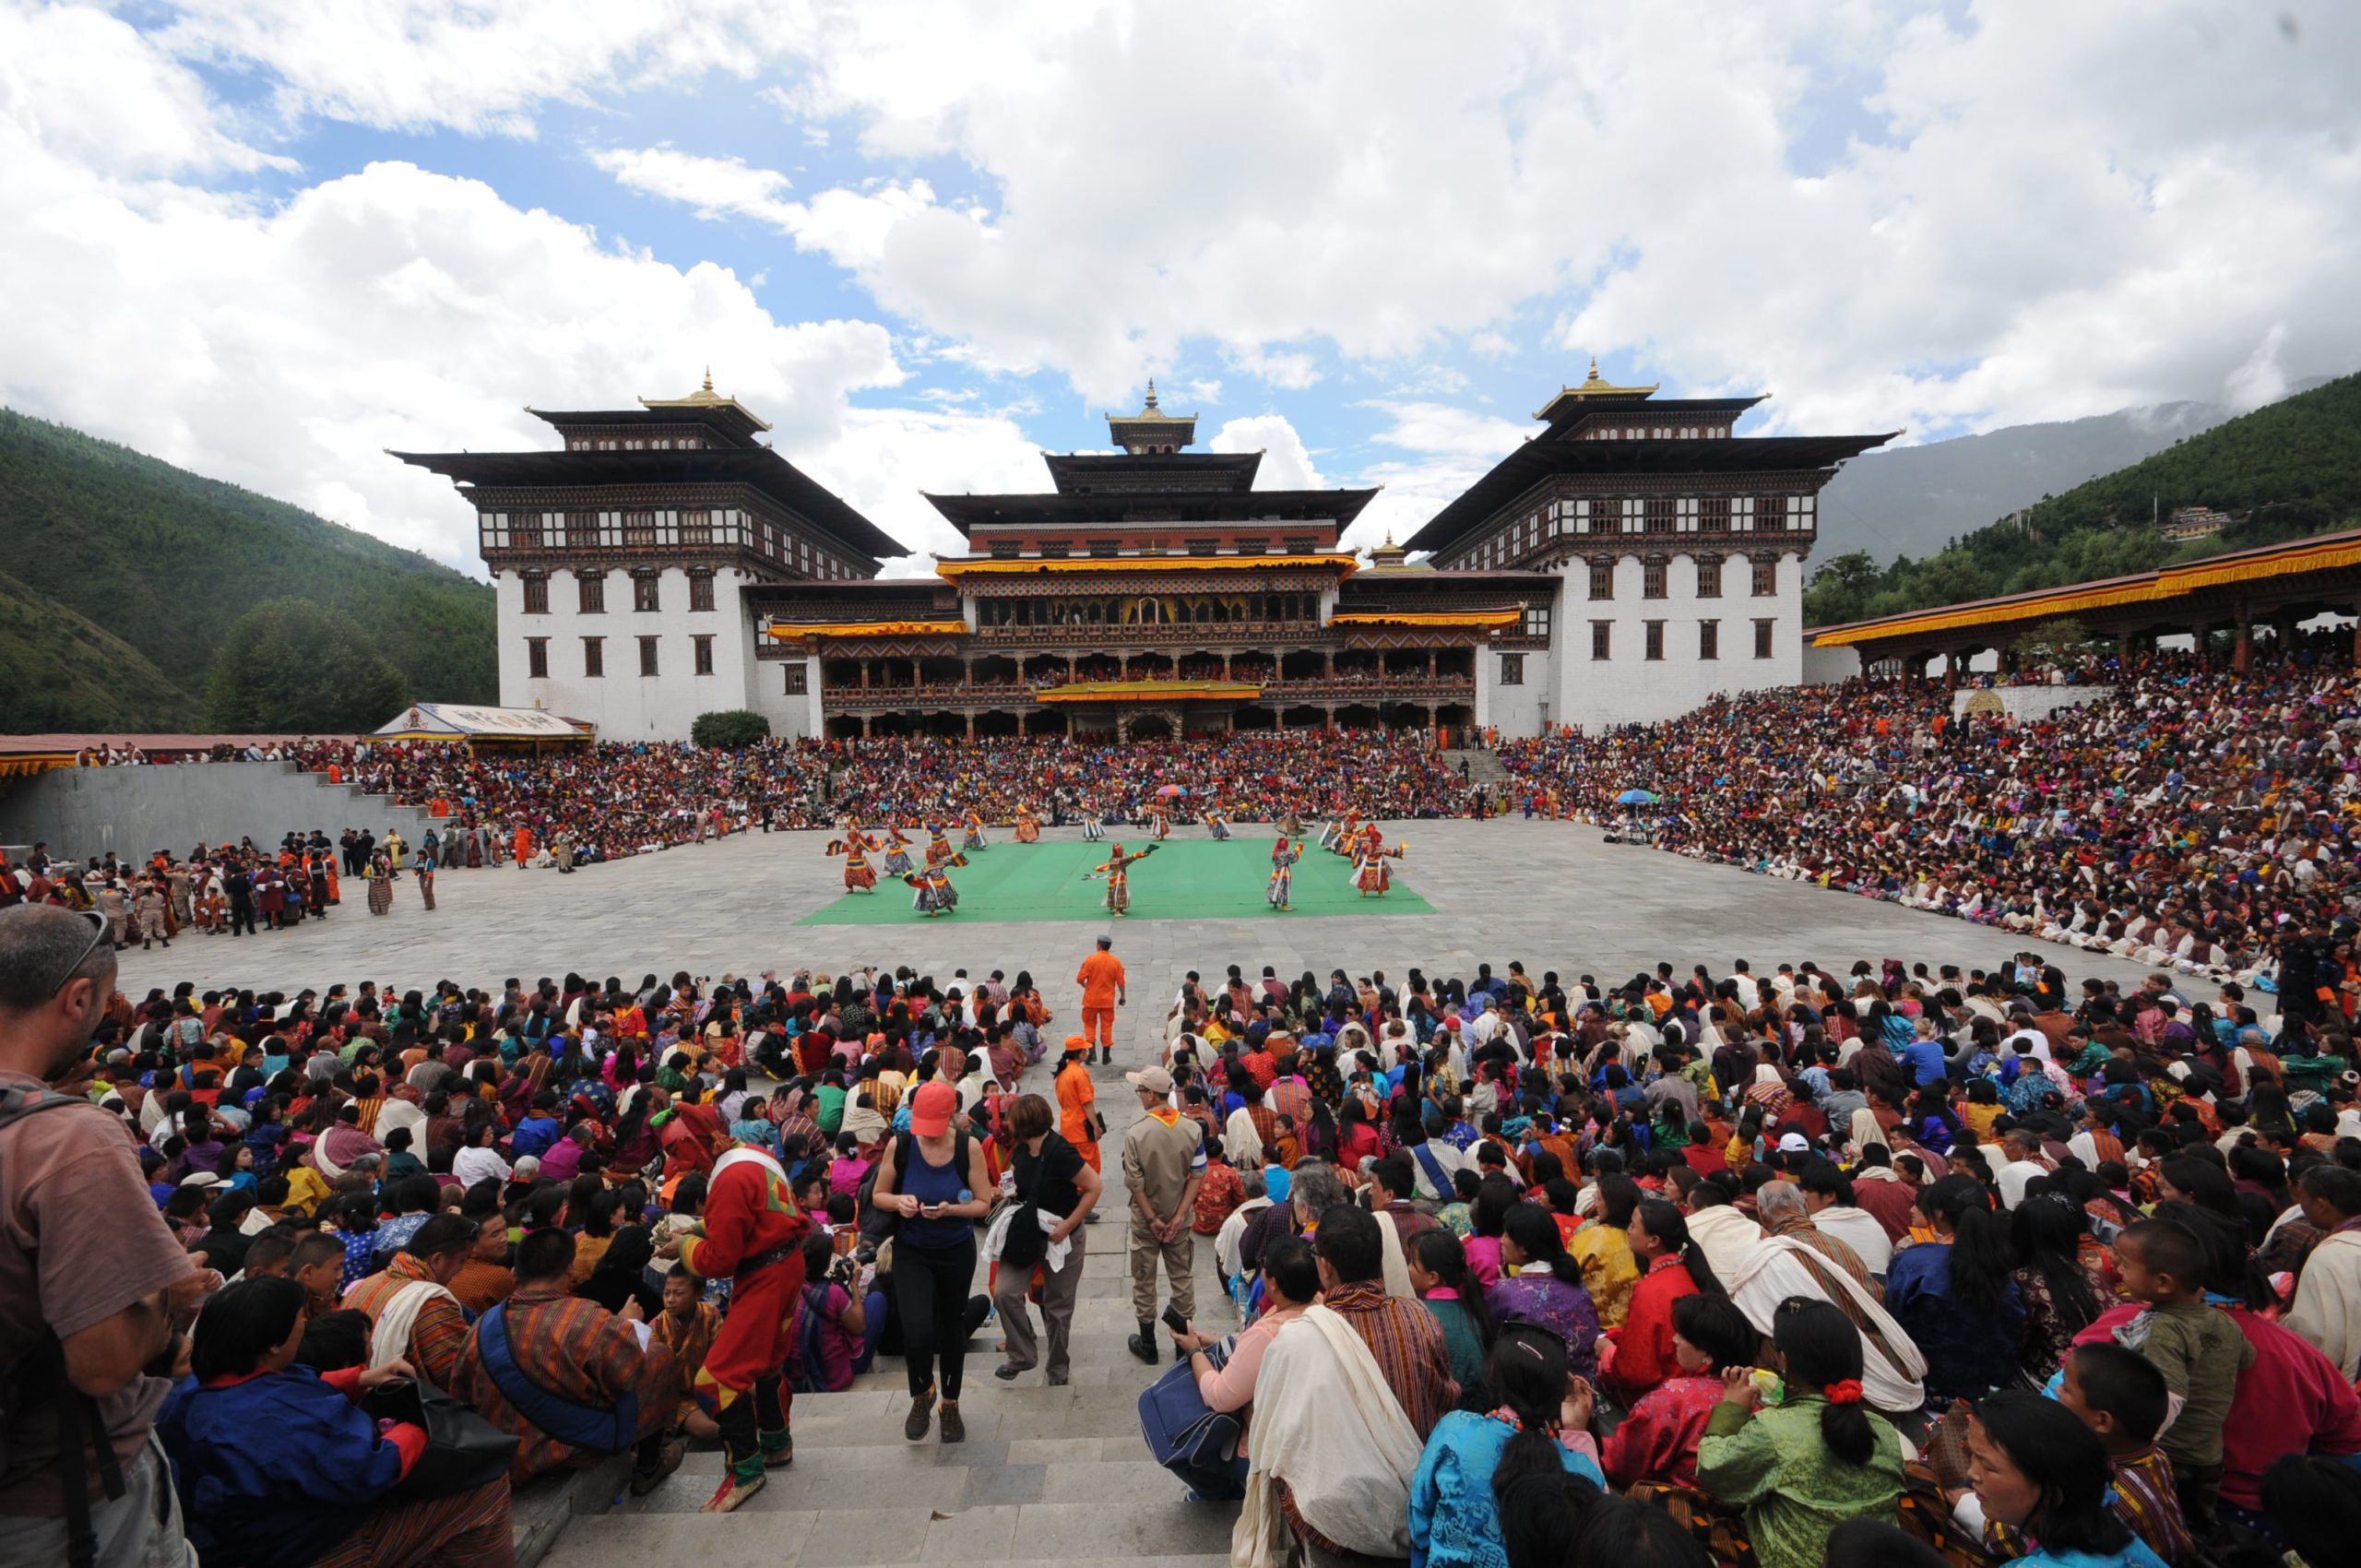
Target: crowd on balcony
(2194,817)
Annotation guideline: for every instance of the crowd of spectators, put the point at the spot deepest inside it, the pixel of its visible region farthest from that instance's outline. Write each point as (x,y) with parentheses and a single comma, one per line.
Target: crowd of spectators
(2191,816)
(1525,1269)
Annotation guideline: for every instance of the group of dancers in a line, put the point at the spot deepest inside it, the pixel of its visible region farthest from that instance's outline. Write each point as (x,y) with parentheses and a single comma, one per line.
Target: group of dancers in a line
(1363,843)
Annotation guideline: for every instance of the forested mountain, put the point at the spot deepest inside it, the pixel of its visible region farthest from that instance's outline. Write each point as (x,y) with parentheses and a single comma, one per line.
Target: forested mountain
(2283,472)
(166,561)
(60,672)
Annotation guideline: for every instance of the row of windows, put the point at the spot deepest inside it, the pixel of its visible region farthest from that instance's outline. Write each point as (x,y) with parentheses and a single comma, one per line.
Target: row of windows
(1709,639)
(1657,433)
(594,657)
(632,444)
(660,529)
(1641,515)
(1764,579)
(590,592)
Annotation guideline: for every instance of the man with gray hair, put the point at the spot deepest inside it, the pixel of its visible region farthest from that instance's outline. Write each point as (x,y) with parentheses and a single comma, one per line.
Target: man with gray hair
(91,1278)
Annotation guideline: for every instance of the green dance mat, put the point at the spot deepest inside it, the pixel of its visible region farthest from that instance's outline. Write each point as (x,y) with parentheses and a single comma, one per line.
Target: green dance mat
(1184,880)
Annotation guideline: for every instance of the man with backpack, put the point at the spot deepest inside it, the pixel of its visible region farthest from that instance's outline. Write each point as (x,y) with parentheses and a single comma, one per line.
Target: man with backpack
(92,1279)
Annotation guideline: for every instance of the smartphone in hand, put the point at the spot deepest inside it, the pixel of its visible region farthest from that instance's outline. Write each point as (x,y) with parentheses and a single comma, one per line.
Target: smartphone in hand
(1174,1320)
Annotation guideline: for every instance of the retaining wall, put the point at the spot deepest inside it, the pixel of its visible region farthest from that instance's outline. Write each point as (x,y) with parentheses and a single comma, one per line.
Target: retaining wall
(81,813)
(2027,701)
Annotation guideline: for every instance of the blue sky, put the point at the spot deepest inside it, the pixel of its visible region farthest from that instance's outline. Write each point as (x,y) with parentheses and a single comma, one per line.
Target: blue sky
(268,239)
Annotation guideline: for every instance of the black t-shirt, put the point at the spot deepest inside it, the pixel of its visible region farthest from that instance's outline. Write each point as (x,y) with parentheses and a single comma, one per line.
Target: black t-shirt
(1047,1179)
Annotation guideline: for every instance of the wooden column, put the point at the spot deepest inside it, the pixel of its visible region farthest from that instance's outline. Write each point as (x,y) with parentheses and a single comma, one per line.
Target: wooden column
(971,726)
(2242,657)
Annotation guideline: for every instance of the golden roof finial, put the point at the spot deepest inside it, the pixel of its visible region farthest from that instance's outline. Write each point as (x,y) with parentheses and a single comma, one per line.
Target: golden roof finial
(1150,396)
(708,375)
(1593,381)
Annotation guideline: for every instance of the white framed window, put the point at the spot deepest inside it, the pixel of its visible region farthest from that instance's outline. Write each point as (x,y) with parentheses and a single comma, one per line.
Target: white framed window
(1635,514)
(1741,513)
(1803,512)
(1684,515)
(1581,516)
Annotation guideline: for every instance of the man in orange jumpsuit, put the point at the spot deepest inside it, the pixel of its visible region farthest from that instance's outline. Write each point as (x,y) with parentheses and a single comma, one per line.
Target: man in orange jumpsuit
(751,1235)
(1101,979)
(1078,1102)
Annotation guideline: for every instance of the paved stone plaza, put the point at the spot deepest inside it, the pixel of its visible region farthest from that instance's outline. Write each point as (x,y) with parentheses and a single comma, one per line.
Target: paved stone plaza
(1553,895)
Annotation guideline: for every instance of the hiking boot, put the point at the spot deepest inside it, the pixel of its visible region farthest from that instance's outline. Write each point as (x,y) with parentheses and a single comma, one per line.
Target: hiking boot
(734,1490)
(668,1460)
(1143,1347)
(922,1408)
(954,1428)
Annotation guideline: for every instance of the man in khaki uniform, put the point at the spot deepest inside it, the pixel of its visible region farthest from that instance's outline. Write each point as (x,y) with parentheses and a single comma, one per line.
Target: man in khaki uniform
(1164,1163)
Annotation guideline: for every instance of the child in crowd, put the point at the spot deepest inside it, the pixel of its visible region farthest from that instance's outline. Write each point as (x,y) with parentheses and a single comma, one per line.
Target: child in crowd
(2123,1398)
(2198,1349)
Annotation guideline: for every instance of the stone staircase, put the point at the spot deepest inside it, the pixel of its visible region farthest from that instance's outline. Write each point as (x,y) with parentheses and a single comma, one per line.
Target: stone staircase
(1483,768)
(1047,1475)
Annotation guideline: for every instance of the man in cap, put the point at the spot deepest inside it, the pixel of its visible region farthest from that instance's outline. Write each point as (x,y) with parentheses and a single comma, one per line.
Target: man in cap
(1164,1163)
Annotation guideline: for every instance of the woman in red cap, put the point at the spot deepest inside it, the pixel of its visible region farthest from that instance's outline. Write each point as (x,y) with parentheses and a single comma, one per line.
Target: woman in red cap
(934,1179)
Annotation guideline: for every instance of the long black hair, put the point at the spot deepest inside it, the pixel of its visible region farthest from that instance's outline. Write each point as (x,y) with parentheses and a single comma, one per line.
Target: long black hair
(1823,1347)
(1526,1372)
(1662,1220)
(1981,1265)
(2047,1229)
(1442,1254)
(241,1324)
(2066,1459)
(1537,1237)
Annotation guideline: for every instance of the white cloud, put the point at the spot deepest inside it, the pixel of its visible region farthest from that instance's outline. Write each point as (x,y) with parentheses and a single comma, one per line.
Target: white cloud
(1286,465)
(85,85)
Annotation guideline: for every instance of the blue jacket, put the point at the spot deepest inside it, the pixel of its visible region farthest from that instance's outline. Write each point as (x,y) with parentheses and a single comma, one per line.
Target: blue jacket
(1454,1521)
(273,1472)
(1968,1353)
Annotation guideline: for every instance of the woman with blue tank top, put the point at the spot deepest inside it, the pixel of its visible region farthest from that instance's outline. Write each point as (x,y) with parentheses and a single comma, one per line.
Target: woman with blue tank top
(934,1249)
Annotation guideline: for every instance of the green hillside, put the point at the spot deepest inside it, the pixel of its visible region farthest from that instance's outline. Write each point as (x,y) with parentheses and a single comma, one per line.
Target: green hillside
(60,672)
(2283,472)
(166,561)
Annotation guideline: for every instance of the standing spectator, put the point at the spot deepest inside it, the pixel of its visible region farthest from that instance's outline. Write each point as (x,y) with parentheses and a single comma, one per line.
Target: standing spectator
(1164,1161)
(1101,979)
(936,1180)
(89,1306)
(1051,1178)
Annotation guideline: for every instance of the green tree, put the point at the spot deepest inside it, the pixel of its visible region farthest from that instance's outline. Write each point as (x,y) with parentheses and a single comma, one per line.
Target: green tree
(1841,588)
(2051,643)
(729,728)
(289,664)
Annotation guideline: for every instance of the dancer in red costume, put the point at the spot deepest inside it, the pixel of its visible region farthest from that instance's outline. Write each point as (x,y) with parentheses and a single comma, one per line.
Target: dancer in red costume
(751,1235)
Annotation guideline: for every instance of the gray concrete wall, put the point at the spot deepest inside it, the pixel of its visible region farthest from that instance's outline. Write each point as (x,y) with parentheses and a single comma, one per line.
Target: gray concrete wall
(81,813)
(2023,703)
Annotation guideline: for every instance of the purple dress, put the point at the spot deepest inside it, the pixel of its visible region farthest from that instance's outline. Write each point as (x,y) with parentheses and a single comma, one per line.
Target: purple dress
(1541,1298)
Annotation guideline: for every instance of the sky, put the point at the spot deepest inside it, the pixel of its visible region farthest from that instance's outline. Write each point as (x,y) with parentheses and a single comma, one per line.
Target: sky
(269,240)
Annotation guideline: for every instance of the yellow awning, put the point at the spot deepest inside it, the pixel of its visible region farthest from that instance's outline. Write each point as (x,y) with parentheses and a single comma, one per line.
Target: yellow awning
(1151,691)
(790,630)
(1426,618)
(1040,566)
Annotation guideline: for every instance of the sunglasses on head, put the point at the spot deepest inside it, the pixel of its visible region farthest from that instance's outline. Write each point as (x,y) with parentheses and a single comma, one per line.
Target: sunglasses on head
(98,931)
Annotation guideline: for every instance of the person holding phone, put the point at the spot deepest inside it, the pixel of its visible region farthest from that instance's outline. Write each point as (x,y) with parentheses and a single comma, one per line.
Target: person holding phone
(934,1178)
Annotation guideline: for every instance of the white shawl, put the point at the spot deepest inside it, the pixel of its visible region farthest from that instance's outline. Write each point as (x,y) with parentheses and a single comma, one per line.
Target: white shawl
(1776,1269)
(1241,1144)
(1328,1425)
(1726,1237)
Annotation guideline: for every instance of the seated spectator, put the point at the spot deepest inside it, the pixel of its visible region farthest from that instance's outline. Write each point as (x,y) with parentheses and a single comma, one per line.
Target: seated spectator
(1818,1457)
(1454,1519)
(1656,1441)
(576,1381)
(412,1313)
(2042,1473)
(1542,1284)
(278,1467)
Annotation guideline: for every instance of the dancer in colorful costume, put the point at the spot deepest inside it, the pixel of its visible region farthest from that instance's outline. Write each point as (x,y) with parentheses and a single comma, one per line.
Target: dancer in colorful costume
(1369,855)
(935,893)
(1118,871)
(975,833)
(1217,822)
(1028,827)
(750,1234)
(897,852)
(856,847)
(1283,856)
(1160,824)
(938,846)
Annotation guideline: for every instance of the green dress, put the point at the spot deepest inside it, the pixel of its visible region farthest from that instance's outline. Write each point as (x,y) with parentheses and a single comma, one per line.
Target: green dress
(1772,1464)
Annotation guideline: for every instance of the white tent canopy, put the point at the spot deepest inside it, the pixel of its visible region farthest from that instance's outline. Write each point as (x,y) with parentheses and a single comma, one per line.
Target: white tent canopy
(465,721)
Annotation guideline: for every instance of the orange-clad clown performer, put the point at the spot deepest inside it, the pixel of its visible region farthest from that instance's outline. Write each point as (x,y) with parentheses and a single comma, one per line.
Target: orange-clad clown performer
(751,1235)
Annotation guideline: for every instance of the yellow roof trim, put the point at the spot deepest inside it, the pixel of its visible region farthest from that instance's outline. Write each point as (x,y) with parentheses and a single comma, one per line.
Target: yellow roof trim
(788,631)
(1427,618)
(1149,691)
(2169,582)
(957,567)
(1595,385)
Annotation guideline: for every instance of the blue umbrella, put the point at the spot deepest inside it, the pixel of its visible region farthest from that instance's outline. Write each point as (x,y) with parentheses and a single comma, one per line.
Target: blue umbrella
(1636,798)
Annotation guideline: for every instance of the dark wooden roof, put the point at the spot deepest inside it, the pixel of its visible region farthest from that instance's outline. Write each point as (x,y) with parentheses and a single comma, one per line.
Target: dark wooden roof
(758,467)
(1572,413)
(1236,469)
(1184,506)
(1547,457)
(725,419)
